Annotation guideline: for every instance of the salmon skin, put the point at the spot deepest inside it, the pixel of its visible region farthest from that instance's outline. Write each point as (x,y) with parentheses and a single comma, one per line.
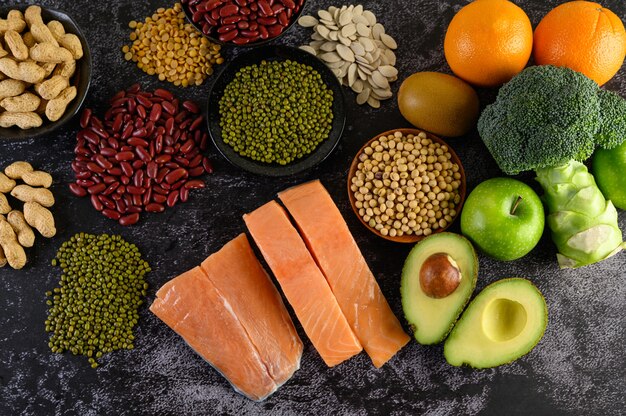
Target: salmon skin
(303,284)
(353,284)
(255,355)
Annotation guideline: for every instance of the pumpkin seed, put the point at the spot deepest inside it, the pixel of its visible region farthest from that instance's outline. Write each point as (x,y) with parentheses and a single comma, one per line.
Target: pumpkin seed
(352,74)
(358,10)
(388,71)
(377,30)
(379,80)
(363,96)
(371,18)
(348,30)
(357,86)
(324,15)
(357,48)
(308,49)
(307,21)
(330,57)
(363,30)
(388,41)
(328,46)
(367,43)
(322,31)
(345,18)
(373,102)
(345,53)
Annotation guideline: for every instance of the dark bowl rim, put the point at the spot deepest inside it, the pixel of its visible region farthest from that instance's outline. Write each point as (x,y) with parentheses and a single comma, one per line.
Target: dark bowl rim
(298,166)
(294,19)
(16,134)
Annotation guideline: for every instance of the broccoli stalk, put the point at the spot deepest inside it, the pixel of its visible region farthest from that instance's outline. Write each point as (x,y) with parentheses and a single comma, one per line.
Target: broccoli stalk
(548,119)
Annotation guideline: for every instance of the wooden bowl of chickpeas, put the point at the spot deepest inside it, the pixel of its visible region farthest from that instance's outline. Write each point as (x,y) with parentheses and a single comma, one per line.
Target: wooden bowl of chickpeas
(406,184)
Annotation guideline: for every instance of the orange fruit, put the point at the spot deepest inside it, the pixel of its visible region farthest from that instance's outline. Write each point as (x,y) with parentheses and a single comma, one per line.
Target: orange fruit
(583,36)
(488,42)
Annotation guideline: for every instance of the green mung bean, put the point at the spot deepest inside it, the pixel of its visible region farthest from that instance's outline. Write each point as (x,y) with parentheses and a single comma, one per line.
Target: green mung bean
(95,307)
(276,112)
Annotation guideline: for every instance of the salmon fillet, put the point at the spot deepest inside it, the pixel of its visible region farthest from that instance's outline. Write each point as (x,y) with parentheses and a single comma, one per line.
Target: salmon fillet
(303,283)
(338,256)
(192,306)
(254,299)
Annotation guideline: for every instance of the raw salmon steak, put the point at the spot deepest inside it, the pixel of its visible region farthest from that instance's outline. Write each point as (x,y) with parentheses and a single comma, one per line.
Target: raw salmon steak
(195,309)
(338,256)
(213,315)
(254,299)
(303,283)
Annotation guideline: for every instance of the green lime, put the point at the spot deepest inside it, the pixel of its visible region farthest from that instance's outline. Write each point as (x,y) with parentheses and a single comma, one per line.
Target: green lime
(609,169)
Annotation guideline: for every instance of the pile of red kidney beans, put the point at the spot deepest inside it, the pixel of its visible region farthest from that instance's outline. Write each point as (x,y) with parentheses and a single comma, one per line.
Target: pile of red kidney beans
(242,21)
(145,156)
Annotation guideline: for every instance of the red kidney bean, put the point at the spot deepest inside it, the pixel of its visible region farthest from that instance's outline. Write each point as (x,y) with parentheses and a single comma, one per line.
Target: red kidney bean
(103,162)
(159,92)
(254,7)
(155,113)
(124,156)
(85,118)
(208,166)
(197,171)
(169,126)
(275,30)
(127,169)
(178,185)
(228,36)
(184,194)
(172,198)
(160,190)
(83,175)
(107,151)
(283,20)
(107,202)
(95,202)
(288,3)
(196,123)
(108,179)
(147,196)
(111,188)
(176,175)
(131,209)
(111,214)
(135,190)
(96,189)
(77,190)
(90,136)
(138,178)
(158,198)
(120,206)
(143,154)
(154,207)
(125,179)
(94,168)
(136,199)
(152,169)
(137,142)
(196,161)
(129,219)
(137,164)
(85,183)
(162,159)
(226,28)
(243,24)
(144,101)
(169,107)
(195,184)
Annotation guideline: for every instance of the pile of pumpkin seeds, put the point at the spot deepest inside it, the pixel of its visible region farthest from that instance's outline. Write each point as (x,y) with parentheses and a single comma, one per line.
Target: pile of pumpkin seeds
(357,49)
(94,309)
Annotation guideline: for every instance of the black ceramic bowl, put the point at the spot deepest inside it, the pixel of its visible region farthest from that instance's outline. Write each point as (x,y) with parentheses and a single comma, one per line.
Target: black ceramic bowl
(213,39)
(80,80)
(272,53)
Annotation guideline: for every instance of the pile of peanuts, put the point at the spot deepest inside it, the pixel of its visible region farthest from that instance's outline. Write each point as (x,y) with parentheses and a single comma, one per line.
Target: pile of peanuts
(166,46)
(406,185)
(36,69)
(145,156)
(15,229)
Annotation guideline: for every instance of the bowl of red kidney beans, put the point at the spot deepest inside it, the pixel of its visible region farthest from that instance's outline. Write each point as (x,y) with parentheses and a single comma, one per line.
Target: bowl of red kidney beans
(242,22)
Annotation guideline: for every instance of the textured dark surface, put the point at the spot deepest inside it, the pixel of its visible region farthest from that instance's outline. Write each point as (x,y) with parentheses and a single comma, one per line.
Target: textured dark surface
(578,367)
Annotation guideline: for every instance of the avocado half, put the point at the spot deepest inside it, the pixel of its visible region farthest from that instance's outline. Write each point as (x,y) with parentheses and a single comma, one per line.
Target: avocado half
(431,319)
(504,322)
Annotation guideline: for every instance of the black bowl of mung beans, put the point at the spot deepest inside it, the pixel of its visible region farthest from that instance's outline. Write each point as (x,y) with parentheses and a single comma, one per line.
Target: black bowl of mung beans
(276,111)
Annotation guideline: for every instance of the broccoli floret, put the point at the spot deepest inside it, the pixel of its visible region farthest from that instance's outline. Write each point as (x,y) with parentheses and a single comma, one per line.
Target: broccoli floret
(547,116)
(613,115)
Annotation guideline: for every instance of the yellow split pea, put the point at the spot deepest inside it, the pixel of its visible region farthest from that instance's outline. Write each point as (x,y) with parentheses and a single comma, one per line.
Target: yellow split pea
(406,185)
(166,46)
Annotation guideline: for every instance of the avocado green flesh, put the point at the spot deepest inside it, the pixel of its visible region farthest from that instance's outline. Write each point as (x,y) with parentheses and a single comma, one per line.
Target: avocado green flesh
(432,319)
(503,323)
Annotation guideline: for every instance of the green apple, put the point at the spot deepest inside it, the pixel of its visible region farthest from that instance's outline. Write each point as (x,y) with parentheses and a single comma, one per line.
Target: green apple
(504,218)
(609,169)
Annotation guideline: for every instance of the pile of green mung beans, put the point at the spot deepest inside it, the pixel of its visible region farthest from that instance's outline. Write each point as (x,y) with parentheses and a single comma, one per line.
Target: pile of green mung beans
(94,309)
(276,112)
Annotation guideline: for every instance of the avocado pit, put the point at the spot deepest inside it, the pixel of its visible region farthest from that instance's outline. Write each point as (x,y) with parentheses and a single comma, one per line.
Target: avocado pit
(439,276)
(504,319)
